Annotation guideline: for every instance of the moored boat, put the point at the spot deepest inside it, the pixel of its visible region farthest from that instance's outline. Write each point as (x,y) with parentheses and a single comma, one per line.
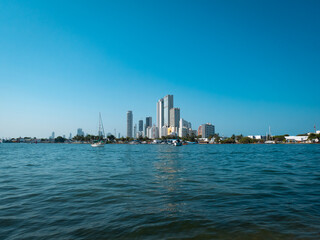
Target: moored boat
(177,143)
(97,144)
(100,142)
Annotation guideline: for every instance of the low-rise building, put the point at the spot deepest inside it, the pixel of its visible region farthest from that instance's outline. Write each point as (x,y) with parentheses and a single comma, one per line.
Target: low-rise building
(296,138)
(257,137)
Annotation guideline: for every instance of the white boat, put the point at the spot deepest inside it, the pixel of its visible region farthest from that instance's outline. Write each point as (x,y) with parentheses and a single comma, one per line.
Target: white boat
(269,138)
(177,143)
(99,143)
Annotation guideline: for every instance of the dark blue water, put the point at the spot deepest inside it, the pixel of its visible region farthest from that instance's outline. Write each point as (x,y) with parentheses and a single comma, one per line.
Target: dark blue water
(58,191)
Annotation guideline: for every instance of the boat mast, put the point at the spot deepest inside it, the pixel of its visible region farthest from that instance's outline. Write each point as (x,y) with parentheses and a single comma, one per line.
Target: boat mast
(270,133)
(101,129)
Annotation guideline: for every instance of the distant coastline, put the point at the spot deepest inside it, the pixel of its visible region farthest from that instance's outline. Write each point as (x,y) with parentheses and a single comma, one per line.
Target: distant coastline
(308,138)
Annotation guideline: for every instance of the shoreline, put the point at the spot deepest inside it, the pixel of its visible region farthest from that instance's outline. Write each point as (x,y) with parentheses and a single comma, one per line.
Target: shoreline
(150,143)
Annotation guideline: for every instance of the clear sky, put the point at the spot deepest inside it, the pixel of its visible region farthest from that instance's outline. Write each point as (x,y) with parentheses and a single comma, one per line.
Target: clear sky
(241,65)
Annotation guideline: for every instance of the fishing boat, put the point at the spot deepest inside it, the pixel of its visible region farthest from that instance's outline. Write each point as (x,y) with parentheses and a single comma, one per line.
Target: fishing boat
(100,142)
(177,143)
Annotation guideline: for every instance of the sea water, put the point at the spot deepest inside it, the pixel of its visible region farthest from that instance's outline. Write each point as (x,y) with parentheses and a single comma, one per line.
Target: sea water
(74,191)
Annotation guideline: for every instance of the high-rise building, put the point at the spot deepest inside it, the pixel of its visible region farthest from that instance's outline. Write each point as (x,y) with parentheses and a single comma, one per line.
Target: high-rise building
(149,121)
(129,123)
(140,125)
(80,132)
(167,105)
(135,131)
(160,118)
(163,113)
(207,130)
(70,136)
(174,117)
(52,135)
(148,124)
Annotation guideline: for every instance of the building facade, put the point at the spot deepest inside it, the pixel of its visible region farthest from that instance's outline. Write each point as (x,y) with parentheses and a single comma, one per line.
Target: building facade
(129,123)
(174,117)
(148,124)
(167,105)
(80,132)
(160,117)
(200,130)
(135,130)
(140,125)
(207,130)
(149,121)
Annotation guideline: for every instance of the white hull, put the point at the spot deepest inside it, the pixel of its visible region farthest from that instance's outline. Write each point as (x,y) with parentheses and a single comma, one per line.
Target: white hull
(97,145)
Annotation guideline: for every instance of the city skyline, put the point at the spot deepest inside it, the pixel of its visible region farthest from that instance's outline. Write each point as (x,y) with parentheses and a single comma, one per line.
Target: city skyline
(244,66)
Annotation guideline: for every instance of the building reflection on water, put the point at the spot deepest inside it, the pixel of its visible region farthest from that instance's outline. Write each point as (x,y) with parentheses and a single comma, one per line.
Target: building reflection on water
(169,181)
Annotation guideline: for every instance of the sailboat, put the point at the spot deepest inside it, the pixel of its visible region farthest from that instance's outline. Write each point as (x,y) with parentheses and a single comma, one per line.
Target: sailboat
(100,142)
(269,141)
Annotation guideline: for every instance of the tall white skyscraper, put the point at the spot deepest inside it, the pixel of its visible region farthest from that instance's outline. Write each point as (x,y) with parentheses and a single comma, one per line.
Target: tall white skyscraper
(160,115)
(163,113)
(167,105)
(129,123)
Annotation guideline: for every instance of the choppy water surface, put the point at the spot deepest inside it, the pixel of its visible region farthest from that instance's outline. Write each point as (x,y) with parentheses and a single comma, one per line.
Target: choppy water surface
(58,191)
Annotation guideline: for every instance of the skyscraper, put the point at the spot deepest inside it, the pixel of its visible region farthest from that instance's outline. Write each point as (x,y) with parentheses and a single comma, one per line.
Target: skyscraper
(140,125)
(135,131)
(174,117)
(80,132)
(129,123)
(160,114)
(149,121)
(167,105)
(148,124)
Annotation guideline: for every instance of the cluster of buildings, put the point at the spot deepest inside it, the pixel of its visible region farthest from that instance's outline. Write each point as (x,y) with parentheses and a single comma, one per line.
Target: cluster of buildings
(168,123)
(80,133)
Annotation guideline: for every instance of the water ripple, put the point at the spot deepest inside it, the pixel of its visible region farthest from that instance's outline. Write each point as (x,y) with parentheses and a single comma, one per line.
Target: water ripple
(57,191)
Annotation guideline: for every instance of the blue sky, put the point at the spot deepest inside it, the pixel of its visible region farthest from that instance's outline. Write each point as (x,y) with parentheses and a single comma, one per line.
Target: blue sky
(241,65)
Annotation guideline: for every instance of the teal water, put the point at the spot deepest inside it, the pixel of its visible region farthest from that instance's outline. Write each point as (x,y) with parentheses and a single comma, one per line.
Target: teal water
(60,191)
